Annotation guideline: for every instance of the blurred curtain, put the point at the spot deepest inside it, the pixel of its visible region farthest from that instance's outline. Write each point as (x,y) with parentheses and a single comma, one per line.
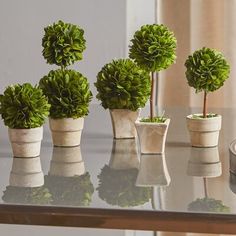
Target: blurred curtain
(197,23)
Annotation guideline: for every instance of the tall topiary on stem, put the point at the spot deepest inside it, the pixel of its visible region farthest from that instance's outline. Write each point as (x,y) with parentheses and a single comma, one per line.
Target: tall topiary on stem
(207,70)
(153,48)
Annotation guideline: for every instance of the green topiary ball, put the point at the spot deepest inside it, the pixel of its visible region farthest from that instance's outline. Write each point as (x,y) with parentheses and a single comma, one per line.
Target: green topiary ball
(153,47)
(23,106)
(207,70)
(122,84)
(68,93)
(63,43)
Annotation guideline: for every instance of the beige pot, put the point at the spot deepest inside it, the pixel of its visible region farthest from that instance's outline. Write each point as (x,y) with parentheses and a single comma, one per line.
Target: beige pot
(67,162)
(66,132)
(26,142)
(26,172)
(153,171)
(232,157)
(204,162)
(204,132)
(152,136)
(123,123)
(124,154)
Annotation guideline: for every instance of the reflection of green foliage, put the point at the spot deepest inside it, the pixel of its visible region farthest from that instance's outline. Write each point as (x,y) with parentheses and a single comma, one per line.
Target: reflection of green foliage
(117,187)
(121,84)
(75,191)
(27,195)
(208,204)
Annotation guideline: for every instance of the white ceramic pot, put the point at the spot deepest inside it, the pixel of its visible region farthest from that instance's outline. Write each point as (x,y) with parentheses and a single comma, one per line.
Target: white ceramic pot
(123,123)
(152,136)
(67,162)
(26,142)
(153,171)
(66,132)
(124,154)
(204,132)
(26,172)
(204,162)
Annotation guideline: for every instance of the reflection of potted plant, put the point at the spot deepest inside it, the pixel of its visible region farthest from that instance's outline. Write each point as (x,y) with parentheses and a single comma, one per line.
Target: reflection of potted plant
(153,48)
(67,90)
(24,109)
(123,87)
(74,191)
(207,71)
(204,162)
(23,195)
(117,187)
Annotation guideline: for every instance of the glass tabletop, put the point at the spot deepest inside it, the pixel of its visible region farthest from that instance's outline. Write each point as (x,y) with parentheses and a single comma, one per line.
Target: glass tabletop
(111,176)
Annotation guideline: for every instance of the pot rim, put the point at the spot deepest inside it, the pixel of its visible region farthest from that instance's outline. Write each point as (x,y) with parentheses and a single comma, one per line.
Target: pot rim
(138,122)
(18,129)
(190,117)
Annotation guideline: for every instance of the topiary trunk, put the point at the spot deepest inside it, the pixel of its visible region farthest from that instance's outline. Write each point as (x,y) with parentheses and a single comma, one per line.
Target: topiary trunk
(152,97)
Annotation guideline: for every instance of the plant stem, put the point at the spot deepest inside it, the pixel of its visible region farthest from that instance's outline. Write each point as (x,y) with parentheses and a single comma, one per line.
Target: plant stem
(152,97)
(205,105)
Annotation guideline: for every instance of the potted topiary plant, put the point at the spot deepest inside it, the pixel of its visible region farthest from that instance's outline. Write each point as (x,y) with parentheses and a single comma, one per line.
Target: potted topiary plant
(67,90)
(123,87)
(24,109)
(207,70)
(153,49)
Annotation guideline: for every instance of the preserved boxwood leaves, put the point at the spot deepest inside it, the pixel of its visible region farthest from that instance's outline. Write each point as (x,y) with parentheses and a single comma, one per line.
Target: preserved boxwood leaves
(153,47)
(68,93)
(121,84)
(23,106)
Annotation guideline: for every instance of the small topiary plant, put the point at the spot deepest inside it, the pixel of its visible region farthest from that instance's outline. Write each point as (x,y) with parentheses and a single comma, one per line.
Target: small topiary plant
(121,84)
(63,43)
(207,70)
(117,187)
(23,106)
(153,48)
(68,93)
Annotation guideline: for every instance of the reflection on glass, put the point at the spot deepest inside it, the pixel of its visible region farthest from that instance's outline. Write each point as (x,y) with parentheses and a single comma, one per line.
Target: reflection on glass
(67,180)
(204,162)
(117,180)
(153,172)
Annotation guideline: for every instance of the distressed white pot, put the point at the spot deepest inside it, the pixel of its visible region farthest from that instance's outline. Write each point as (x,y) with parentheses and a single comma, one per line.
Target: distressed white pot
(123,123)
(26,142)
(66,132)
(153,171)
(204,132)
(152,136)
(124,154)
(204,162)
(26,172)
(67,162)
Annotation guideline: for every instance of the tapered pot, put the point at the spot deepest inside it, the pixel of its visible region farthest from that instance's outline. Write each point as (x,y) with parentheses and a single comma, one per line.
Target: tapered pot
(123,123)
(66,132)
(67,162)
(204,132)
(26,142)
(152,136)
(26,172)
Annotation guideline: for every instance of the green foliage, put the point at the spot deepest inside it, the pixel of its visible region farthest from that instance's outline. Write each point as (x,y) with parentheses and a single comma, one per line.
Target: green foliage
(207,70)
(74,191)
(153,47)
(157,119)
(23,106)
(121,84)
(63,43)
(208,205)
(117,187)
(68,93)
(27,195)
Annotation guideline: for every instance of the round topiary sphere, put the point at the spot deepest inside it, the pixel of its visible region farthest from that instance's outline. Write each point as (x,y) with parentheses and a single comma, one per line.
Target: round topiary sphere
(68,93)
(207,70)
(122,84)
(23,106)
(63,43)
(153,47)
